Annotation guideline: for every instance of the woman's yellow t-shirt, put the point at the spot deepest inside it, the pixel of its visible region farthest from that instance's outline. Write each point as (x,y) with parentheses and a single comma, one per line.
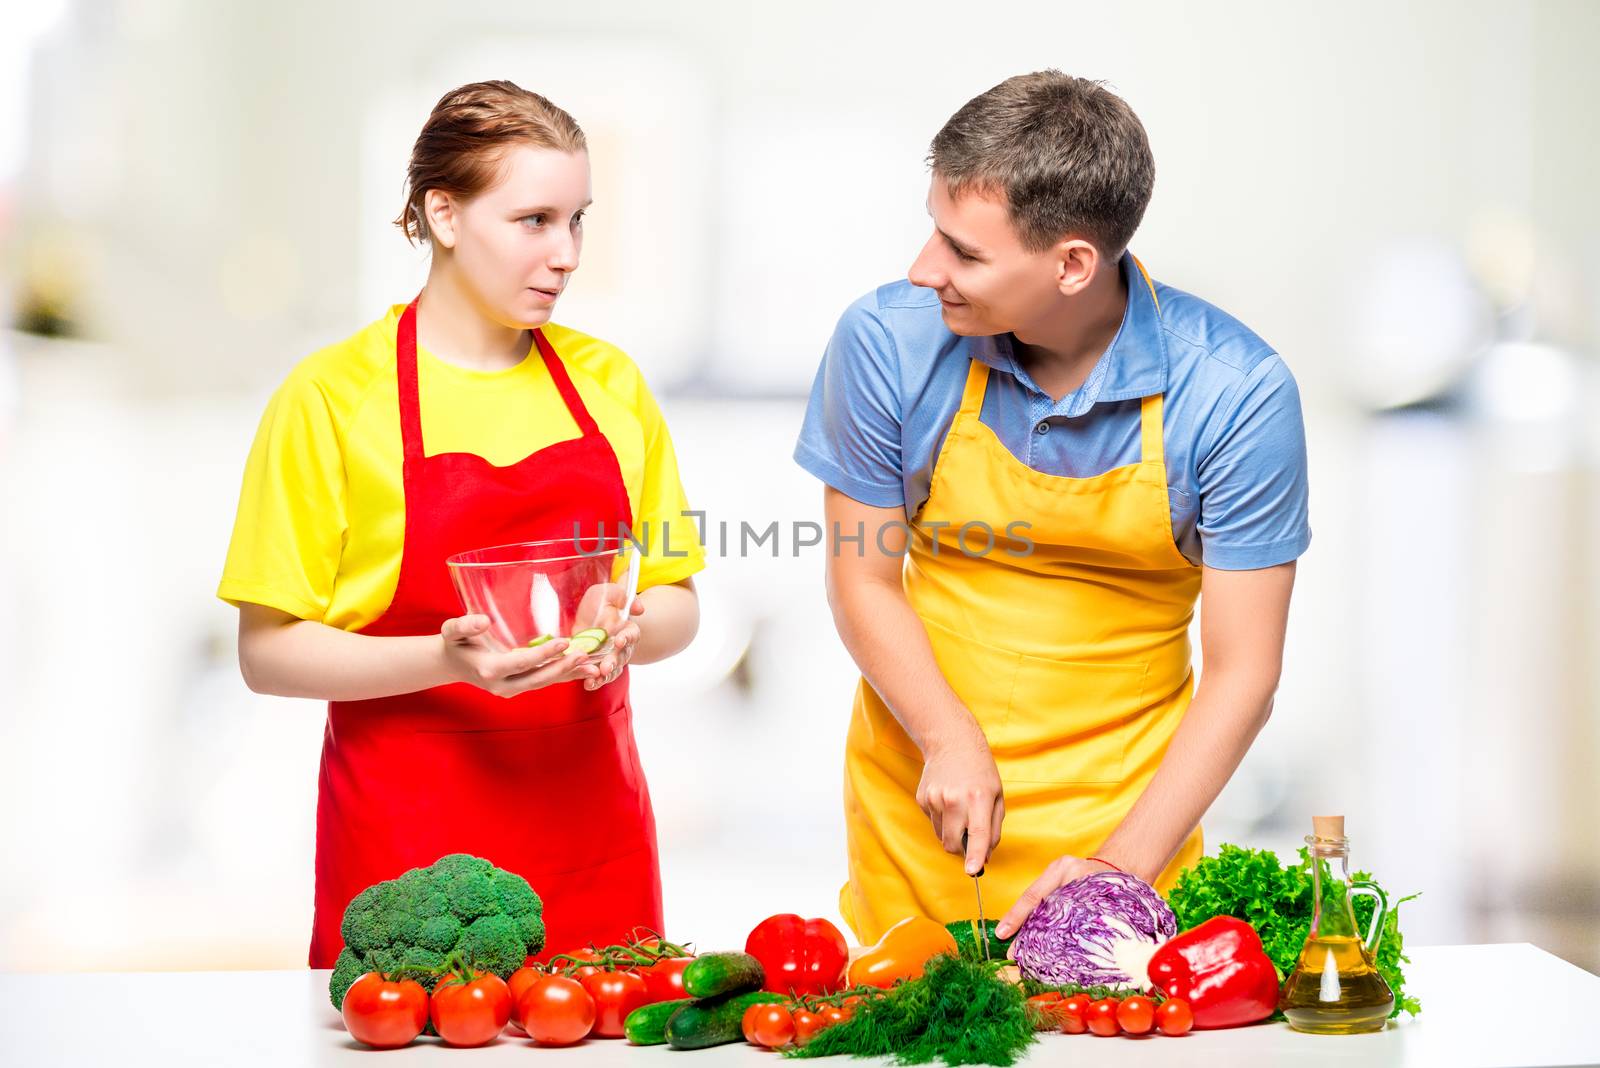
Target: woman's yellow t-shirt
(321,521)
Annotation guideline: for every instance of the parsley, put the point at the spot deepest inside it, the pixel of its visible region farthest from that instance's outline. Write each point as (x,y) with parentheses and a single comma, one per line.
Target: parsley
(1253,886)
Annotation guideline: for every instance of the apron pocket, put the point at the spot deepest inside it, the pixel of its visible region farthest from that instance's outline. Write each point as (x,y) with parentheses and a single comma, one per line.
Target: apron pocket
(1069,721)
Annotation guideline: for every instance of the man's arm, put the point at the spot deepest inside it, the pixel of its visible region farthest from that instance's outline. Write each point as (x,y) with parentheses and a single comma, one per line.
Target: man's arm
(1243,617)
(960,787)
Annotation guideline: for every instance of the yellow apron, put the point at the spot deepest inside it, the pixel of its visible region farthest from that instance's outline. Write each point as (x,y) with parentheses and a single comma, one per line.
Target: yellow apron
(1073,658)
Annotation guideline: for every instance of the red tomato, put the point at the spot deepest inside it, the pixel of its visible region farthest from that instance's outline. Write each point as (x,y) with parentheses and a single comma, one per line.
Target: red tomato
(471,1012)
(806,1025)
(836,1014)
(768,1025)
(1044,1009)
(382,1014)
(557,1011)
(1074,1013)
(663,980)
(520,981)
(1174,1017)
(580,954)
(775,1027)
(1136,1015)
(1102,1017)
(615,995)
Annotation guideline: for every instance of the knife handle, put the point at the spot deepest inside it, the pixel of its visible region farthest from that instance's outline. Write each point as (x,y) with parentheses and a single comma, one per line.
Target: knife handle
(964,852)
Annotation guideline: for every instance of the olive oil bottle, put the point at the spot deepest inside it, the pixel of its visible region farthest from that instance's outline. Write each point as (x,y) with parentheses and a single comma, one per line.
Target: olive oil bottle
(1335,989)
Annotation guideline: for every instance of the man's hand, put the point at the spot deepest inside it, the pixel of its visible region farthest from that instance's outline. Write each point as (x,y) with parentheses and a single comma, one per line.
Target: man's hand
(961,795)
(1061,871)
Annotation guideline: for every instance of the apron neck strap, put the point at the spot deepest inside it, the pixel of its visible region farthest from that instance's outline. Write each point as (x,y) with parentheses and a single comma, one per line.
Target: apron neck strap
(1151,448)
(405,350)
(972,393)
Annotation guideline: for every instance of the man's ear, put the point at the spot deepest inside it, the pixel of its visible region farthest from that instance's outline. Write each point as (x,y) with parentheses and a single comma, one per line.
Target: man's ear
(1077,261)
(439,208)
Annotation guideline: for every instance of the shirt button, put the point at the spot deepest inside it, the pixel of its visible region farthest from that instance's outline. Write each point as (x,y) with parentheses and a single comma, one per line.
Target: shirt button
(1042,428)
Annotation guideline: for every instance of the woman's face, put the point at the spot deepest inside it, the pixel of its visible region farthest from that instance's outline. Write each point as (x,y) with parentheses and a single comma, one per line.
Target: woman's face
(516,244)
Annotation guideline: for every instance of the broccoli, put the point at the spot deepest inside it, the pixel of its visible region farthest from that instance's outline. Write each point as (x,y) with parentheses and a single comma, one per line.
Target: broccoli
(414,923)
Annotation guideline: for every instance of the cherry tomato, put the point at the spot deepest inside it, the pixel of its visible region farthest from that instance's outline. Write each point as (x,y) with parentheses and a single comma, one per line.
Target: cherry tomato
(1043,1009)
(1074,1013)
(520,981)
(1102,1017)
(615,995)
(836,1014)
(1174,1017)
(1136,1015)
(770,1026)
(806,1025)
(470,1012)
(663,980)
(382,1014)
(557,1011)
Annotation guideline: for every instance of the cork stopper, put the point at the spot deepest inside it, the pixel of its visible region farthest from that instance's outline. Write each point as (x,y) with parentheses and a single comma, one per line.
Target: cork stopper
(1327,826)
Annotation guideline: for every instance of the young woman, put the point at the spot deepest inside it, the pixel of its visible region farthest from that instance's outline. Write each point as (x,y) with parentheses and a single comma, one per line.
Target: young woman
(461,421)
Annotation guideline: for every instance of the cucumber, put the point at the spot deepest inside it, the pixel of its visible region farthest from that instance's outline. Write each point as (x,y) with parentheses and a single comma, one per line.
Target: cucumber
(970,942)
(714,1021)
(587,641)
(540,640)
(647,1025)
(711,975)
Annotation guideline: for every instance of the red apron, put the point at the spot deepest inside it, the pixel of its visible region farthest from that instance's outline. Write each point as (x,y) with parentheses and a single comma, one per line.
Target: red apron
(546,784)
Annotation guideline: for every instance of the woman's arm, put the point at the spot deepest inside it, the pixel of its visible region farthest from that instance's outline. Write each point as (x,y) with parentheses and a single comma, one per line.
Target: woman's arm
(291,657)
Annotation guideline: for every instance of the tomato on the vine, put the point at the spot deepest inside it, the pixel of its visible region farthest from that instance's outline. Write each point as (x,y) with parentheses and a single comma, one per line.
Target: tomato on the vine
(770,1026)
(615,995)
(663,980)
(1073,1013)
(557,1011)
(470,1012)
(1174,1017)
(384,1014)
(1136,1015)
(1102,1017)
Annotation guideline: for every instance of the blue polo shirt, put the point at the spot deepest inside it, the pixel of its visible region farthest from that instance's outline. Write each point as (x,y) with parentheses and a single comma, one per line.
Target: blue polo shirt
(891,380)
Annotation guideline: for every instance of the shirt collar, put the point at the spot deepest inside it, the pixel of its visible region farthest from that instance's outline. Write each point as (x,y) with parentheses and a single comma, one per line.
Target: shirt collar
(1133,365)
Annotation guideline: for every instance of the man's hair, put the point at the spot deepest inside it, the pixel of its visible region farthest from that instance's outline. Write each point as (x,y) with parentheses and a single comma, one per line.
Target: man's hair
(1068,155)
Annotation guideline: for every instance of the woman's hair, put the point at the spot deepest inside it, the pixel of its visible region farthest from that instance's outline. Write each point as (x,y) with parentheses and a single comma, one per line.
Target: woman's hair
(1069,156)
(465,140)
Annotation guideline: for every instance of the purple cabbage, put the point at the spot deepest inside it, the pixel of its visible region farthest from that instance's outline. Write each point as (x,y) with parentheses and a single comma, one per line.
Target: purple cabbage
(1094,931)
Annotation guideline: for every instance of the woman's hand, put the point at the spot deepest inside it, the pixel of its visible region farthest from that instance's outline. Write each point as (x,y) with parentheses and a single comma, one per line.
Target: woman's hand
(468,657)
(616,655)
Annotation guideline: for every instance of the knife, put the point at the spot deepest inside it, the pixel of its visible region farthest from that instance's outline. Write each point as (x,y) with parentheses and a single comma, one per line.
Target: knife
(977,889)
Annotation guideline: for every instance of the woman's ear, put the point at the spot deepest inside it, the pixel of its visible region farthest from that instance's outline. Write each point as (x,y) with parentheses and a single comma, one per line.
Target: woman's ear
(439,208)
(1076,263)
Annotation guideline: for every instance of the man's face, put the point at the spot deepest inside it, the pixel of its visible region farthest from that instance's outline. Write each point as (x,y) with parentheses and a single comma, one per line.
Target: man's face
(987,282)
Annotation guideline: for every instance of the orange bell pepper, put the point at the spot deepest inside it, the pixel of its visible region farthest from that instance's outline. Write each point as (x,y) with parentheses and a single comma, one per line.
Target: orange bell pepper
(902,953)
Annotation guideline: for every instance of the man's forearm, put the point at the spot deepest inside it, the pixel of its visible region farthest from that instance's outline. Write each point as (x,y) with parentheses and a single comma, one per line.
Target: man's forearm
(1226,714)
(888,643)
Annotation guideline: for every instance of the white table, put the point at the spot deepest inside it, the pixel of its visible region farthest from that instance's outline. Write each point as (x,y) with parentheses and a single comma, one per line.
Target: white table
(285,1019)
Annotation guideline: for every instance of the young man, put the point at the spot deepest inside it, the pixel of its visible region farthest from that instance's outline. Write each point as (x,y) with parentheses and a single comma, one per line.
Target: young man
(1051,457)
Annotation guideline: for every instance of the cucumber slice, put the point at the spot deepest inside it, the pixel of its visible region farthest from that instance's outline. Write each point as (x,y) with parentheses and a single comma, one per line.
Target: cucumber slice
(599,634)
(582,644)
(540,640)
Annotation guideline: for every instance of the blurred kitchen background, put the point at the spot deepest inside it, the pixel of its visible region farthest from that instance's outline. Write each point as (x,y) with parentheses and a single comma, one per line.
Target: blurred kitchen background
(193,196)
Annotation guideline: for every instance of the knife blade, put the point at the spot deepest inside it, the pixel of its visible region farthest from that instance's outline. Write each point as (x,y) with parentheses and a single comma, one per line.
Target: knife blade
(977,889)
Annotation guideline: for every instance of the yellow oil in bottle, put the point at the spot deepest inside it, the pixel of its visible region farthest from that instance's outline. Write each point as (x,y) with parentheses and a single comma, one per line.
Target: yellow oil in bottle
(1334,989)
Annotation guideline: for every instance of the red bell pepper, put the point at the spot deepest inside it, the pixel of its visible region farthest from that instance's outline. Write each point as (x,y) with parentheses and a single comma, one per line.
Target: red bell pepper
(799,955)
(1220,969)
